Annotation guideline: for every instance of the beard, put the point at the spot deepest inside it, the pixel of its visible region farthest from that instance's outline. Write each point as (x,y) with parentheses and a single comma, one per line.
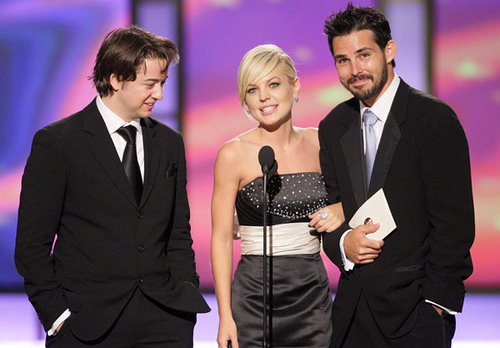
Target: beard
(370,93)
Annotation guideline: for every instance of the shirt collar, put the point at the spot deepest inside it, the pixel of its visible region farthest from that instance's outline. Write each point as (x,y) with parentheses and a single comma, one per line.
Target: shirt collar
(112,120)
(383,105)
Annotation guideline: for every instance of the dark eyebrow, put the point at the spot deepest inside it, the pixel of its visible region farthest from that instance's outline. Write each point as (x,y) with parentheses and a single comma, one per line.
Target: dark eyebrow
(155,80)
(361,50)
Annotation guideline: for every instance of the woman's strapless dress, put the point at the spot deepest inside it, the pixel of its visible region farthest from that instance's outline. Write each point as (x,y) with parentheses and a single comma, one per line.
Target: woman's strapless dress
(299,303)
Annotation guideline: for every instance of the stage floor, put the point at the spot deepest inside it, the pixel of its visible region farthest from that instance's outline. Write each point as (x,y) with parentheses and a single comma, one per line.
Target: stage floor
(477,326)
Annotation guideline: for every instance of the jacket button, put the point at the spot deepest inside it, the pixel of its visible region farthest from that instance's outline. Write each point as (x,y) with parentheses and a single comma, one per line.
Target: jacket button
(140,248)
(140,216)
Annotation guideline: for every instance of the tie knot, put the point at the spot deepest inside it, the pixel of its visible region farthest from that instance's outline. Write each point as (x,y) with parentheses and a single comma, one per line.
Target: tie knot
(369,118)
(128,133)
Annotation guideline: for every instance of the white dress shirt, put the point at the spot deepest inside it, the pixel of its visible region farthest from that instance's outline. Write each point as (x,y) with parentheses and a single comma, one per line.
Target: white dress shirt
(113,123)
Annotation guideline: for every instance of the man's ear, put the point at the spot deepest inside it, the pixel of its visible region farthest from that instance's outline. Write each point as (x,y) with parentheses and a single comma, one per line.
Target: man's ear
(390,51)
(115,82)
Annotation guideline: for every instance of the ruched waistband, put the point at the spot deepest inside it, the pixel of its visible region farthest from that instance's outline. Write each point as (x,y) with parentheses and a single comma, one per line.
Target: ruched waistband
(283,239)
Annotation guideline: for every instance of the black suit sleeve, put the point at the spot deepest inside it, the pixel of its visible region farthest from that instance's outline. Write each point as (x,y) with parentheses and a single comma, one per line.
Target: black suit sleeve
(331,241)
(41,203)
(448,194)
(179,250)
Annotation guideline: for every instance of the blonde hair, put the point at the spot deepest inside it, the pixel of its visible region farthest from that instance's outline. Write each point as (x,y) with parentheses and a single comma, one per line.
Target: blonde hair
(260,61)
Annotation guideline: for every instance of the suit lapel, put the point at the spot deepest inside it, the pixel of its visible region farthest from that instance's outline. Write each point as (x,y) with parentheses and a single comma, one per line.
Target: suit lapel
(152,157)
(387,147)
(353,152)
(390,138)
(103,149)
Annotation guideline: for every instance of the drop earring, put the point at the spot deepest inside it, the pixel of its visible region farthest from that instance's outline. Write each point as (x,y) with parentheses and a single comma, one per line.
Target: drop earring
(296,99)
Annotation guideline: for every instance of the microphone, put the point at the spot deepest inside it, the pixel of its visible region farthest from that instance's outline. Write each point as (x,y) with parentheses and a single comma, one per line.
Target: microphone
(267,162)
(269,166)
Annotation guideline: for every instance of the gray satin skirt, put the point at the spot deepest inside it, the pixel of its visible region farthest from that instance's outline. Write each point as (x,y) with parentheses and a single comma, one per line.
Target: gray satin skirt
(299,303)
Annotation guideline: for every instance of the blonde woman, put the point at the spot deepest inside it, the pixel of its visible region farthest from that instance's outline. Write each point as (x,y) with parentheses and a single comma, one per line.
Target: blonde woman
(300,300)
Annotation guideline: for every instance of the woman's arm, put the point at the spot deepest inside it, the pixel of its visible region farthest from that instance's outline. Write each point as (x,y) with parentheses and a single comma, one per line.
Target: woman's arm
(226,184)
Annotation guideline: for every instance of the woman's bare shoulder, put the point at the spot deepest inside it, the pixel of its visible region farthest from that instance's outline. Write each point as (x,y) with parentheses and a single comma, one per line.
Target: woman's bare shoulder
(237,148)
(306,130)
(308,134)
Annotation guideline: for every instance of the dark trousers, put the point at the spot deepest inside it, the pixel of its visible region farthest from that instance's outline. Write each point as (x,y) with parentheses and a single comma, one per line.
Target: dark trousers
(430,331)
(143,323)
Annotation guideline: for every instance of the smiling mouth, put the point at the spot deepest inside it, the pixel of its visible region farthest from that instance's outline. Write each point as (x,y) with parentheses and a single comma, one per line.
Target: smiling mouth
(268,109)
(359,81)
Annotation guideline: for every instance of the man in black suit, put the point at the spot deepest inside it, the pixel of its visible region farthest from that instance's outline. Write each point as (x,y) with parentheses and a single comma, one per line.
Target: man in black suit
(402,291)
(121,272)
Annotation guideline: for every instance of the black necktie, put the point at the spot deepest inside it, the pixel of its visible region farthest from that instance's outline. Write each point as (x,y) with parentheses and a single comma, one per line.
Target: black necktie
(129,161)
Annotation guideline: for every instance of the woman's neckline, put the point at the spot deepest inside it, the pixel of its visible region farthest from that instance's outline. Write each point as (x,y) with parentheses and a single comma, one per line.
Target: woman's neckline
(278,174)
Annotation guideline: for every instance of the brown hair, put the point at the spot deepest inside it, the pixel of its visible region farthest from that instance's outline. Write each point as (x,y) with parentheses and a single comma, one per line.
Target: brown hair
(356,18)
(123,52)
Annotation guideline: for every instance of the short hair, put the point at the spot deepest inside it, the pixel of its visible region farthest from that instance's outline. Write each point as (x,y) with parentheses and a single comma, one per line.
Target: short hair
(123,52)
(356,18)
(259,62)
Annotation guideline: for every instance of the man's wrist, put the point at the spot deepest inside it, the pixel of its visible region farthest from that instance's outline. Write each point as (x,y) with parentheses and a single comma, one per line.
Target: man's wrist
(348,265)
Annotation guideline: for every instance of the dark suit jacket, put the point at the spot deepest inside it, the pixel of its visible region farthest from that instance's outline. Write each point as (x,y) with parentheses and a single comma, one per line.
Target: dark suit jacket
(422,164)
(74,185)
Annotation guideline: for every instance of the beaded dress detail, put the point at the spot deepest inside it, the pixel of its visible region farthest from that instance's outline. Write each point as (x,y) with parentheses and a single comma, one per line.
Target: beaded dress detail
(292,197)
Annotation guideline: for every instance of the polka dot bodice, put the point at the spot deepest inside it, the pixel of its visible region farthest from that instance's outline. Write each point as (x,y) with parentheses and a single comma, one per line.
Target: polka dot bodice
(292,197)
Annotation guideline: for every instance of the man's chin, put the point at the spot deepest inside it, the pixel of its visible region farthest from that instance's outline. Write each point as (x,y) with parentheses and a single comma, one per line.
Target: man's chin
(362,95)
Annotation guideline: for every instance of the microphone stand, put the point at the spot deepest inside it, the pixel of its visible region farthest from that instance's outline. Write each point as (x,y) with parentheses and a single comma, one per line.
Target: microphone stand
(264,257)
(269,166)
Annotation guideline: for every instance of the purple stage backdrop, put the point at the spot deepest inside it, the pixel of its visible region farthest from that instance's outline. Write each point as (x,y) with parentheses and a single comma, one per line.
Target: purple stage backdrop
(47,49)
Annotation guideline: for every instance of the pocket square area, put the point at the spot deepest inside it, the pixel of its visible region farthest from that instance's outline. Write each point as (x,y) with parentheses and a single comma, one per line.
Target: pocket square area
(171,170)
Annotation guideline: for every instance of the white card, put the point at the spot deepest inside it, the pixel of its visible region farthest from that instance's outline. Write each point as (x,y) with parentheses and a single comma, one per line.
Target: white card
(375,210)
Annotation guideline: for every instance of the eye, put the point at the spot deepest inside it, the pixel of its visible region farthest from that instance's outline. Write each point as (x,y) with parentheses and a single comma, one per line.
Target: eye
(365,54)
(251,90)
(274,84)
(341,61)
